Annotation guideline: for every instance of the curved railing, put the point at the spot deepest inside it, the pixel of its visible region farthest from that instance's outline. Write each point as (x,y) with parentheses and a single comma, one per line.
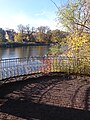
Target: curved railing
(20,66)
(25,66)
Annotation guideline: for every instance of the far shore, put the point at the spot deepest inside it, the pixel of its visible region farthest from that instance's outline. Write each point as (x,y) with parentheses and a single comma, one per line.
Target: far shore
(15,44)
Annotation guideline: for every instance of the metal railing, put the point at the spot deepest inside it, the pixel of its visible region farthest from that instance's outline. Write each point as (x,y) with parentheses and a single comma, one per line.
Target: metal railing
(25,66)
(19,66)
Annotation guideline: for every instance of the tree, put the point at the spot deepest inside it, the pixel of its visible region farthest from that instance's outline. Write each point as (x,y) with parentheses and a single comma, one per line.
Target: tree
(75,16)
(18,37)
(21,28)
(58,36)
(29,33)
(41,33)
(2,35)
(78,45)
(43,29)
(21,33)
(48,36)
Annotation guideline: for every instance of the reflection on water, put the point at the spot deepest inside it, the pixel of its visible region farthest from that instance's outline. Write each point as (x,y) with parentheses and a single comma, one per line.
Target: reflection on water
(21,52)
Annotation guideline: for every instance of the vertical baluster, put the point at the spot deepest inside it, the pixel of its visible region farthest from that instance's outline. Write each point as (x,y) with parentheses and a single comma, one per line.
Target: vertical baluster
(0,73)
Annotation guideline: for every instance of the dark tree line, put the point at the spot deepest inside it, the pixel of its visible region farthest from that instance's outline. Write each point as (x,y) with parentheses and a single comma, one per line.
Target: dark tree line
(27,34)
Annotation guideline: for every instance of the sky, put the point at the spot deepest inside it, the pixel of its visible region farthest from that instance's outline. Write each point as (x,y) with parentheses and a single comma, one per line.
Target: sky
(33,12)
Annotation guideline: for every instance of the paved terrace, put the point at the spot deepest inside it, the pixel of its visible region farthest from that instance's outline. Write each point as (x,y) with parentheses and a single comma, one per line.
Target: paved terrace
(49,97)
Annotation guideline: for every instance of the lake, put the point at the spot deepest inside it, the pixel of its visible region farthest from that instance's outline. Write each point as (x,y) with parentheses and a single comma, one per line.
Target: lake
(21,52)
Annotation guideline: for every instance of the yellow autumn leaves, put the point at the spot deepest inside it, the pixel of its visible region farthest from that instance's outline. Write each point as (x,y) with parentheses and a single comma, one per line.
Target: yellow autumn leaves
(78,42)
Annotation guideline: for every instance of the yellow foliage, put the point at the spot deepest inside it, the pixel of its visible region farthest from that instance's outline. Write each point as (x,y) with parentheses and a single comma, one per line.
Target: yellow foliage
(18,37)
(77,43)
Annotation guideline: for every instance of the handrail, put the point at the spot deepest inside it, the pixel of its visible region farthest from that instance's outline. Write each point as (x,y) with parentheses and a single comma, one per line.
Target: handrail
(23,66)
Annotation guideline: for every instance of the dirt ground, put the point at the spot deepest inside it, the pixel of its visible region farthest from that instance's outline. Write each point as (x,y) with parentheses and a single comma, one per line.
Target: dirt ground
(49,97)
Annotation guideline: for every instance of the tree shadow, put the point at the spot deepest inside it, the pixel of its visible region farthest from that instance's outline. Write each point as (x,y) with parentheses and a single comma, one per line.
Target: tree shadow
(87,99)
(24,100)
(52,78)
(32,89)
(29,110)
(76,92)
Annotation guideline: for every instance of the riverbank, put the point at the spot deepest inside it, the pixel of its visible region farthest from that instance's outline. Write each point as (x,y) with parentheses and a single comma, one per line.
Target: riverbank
(15,44)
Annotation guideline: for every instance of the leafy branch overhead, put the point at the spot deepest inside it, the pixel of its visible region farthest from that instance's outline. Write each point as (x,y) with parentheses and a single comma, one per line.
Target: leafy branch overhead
(75,15)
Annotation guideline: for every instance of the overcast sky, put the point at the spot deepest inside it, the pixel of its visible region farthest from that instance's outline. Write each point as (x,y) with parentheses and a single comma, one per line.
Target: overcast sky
(33,12)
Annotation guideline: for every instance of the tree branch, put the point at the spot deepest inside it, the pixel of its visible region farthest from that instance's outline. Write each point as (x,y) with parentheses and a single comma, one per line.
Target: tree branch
(83,25)
(55,4)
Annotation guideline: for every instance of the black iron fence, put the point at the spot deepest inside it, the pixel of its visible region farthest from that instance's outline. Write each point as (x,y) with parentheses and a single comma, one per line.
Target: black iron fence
(19,66)
(25,66)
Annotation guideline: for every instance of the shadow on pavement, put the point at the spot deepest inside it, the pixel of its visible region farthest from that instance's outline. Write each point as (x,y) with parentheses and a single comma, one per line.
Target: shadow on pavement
(28,110)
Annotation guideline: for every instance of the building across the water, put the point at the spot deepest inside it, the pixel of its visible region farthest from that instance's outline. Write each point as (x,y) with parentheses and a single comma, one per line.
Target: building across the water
(9,34)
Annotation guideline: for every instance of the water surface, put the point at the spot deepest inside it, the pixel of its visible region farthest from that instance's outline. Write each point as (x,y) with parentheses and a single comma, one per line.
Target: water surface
(20,52)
